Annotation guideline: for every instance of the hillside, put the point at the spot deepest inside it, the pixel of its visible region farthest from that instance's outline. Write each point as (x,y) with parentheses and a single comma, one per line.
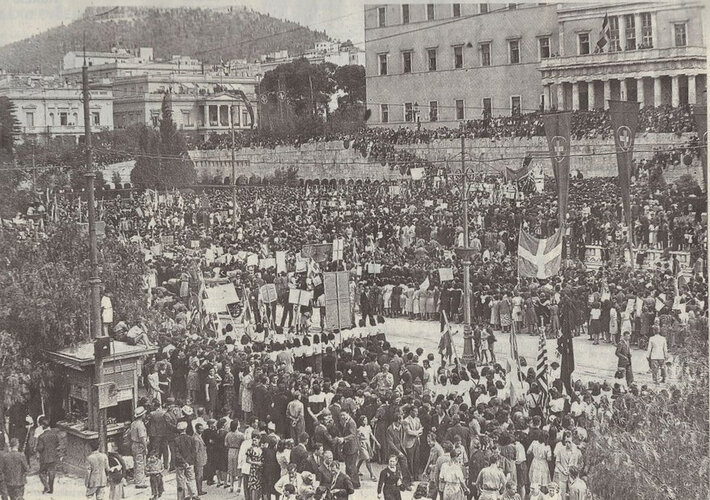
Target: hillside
(237,32)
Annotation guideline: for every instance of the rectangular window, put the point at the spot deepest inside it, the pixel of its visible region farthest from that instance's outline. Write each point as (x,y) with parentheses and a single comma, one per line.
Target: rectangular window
(542,102)
(486,54)
(457,10)
(515,105)
(544,46)
(431,58)
(433,111)
(63,118)
(630,23)
(384,113)
(584,44)
(487,106)
(646,30)
(95,118)
(381,17)
(460,110)
(406,62)
(405,13)
(512,6)
(30,118)
(408,112)
(614,34)
(514,46)
(680,35)
(430,12)
(458,57)
(382,59)
(186,118)
(245,118)
(483,8)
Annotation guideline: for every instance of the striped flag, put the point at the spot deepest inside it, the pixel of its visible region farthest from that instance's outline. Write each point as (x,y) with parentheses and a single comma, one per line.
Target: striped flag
(539,258)
(541,371)
(603,34)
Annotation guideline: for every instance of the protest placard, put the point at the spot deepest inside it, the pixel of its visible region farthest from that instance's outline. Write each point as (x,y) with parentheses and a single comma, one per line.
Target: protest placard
(446,274)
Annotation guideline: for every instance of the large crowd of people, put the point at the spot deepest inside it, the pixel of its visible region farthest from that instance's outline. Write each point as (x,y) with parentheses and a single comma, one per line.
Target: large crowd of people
(274,403)
(587,124)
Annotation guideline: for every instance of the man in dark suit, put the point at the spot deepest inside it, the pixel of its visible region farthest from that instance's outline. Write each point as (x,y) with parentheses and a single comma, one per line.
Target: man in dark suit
(160,431)
(416,370)
(49,451)
(351,448)
(299,453)
(342,485)
(623,352)
(395,444)
(457,429)
(325,471)
(322,435)
(442,422)
(13,467)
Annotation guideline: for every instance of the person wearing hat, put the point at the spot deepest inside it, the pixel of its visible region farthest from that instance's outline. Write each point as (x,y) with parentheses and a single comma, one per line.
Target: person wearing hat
(185,459)
(139,446)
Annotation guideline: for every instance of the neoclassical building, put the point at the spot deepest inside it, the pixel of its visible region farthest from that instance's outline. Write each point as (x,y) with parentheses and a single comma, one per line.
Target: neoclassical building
(655,54)
(440,64)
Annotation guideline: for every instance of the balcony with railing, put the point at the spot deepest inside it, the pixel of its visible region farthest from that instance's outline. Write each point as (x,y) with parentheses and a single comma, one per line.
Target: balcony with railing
(652,55)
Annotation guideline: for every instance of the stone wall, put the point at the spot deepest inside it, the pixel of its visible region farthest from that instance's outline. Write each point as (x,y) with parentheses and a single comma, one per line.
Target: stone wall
(330,160)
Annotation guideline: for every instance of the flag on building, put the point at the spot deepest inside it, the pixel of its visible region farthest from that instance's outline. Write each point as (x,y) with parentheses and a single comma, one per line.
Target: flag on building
(541,371)
(539,258)
(603,34)
(557,130)
(624,122)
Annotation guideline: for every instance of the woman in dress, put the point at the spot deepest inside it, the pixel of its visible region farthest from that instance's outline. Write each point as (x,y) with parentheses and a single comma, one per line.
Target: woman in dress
(193,382)
(416,310)
(283,455)
(367,444)
(452,484)
(505,310)
(233,442)
(220,451)
(431,300)
(211,391)
(246,385)
(495,312)
(541,453)
(255,459)
(388,487)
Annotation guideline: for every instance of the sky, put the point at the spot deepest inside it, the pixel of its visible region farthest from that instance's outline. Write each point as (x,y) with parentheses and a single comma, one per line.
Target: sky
(341,19)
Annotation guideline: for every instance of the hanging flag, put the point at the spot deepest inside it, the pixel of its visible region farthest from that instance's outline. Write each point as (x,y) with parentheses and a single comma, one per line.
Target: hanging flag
(541,371)
(564,344)
(539,258)
(523,171)
(701,127)
(425,285)
(624,121)
(603,34)
(557,130)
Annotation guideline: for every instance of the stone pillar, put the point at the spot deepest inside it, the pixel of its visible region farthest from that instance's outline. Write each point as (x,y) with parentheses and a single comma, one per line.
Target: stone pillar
(575,96)
(675,91)
(640,97)
(590,95)
(561,37)
(657,95)
(639,34)
(205,115)
(692,94)
(547,92)
(560,96)
(623,90)
(607,93)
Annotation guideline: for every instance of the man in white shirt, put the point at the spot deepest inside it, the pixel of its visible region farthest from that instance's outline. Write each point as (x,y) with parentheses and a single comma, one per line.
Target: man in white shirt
(106,313)
(657,353)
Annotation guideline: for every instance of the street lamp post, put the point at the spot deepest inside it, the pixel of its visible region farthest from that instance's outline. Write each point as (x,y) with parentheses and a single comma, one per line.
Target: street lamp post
(465,253)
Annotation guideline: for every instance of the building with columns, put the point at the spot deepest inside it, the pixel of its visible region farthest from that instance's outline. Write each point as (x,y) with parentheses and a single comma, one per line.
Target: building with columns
(200,103)
(435,65)
(655,55)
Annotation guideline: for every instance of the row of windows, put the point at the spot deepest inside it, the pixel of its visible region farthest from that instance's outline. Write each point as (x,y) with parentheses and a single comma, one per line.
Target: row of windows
(65,119)
(483,8)
(484,50)
(413,114)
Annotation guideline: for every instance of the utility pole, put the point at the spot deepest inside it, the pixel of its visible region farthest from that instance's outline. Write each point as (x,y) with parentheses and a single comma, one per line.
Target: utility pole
(234,171)
(94,280)
(465,253)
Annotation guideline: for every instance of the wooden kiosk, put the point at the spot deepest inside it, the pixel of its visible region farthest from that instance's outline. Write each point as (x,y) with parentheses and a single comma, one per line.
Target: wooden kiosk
(118,394)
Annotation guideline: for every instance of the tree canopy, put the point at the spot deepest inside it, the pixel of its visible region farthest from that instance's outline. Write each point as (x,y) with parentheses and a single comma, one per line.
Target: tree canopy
(162,161)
